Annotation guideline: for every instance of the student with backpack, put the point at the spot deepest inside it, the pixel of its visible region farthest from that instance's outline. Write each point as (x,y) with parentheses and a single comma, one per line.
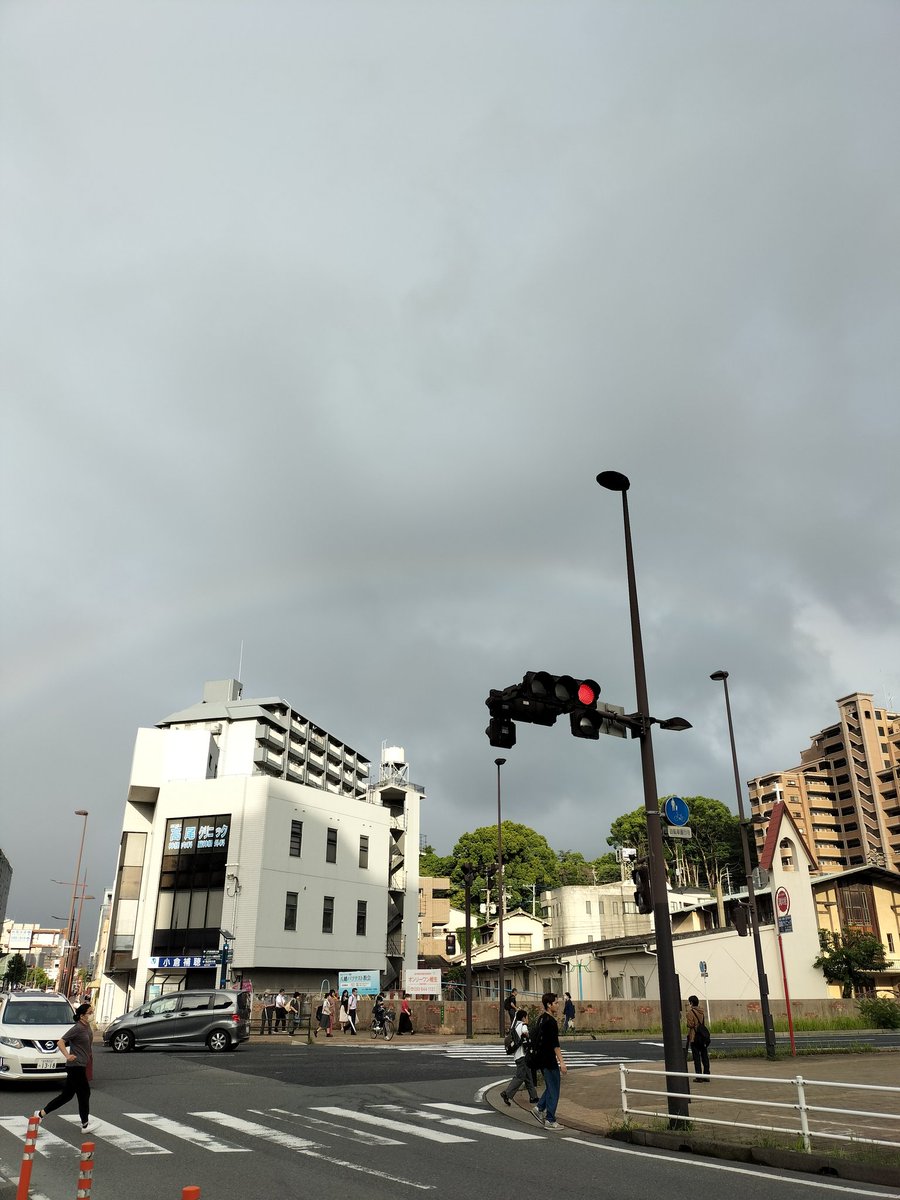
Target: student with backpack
(547,1058)
(698,1039)
(516,1042)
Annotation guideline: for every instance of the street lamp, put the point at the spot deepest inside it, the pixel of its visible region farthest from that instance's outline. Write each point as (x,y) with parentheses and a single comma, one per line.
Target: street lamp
(669,1002)
(70,957)
(498,763)
(468,873)
(768,1026)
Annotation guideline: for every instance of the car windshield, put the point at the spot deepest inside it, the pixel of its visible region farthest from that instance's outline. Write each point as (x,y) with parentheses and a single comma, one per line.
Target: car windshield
(38,1012)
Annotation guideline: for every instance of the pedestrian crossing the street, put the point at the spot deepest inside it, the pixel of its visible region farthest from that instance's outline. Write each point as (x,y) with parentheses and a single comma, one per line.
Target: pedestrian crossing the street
(312,1130)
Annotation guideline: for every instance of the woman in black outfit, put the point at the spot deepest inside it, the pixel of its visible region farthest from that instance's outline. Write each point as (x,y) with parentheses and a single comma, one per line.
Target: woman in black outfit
(77,1044)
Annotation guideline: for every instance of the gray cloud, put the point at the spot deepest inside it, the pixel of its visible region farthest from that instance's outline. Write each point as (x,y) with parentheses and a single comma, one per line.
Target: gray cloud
(318,325)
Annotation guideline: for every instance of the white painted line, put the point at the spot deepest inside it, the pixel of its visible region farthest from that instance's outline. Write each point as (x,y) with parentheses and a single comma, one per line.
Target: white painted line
(432,1135)
(479,1095)
(693,1162)
(187,1133)
(457,1108)
(47,1144)
(302,1146)
(501,1131)
(341,1131)
(122,1139)
(281,1138)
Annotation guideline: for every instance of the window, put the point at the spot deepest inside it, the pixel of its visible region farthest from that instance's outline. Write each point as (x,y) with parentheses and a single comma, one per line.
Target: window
(194,1003)
(328,915)
(615,908)
(600,907)
(890,938)
(363,852)
(616,988)
(638,991)
(520,943)
(331,846)
(296,838)
(587,907)
(361,918)
(290,910)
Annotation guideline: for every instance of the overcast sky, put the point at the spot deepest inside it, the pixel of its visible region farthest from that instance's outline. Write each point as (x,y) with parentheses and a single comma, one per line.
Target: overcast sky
(318,321)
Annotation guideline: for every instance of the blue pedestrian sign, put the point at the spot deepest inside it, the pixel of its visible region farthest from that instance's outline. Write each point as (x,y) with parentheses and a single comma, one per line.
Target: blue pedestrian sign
(676,811)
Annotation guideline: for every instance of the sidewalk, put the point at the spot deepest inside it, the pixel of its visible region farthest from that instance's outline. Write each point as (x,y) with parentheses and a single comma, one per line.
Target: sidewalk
(591,1102)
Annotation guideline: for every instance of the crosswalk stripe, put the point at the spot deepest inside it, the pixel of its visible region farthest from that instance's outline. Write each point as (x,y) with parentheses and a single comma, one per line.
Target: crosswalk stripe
(280,1137)
(458,1108)
(351,1134)
(187,1133)
(500,1131)
(432,1135)
(122,1139)
(48,1144)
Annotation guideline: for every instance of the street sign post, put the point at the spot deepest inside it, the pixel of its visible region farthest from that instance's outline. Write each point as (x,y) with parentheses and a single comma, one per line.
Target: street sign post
(679,831)
(676,811)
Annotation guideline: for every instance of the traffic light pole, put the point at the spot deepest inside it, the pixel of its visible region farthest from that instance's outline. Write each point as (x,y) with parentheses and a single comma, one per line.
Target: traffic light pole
(669,999)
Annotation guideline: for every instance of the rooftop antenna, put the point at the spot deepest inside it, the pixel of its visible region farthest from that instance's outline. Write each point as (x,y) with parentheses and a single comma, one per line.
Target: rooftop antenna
(241,662)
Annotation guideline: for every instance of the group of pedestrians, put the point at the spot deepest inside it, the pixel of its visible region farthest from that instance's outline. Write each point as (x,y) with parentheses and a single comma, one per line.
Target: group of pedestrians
(343,1011)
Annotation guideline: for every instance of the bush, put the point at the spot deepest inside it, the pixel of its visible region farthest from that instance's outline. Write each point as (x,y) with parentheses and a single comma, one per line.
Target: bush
(880,1012)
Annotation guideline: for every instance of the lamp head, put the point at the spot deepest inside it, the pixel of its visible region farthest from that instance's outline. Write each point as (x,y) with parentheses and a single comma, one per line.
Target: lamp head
(614,481)
(678,724)
(81,812)
(719,676)
(498,762)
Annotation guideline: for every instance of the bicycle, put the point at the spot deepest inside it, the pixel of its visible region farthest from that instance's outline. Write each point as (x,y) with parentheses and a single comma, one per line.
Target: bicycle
(385,1028)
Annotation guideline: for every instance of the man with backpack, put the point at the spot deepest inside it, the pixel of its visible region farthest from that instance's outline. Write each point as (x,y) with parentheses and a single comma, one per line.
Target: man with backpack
(516,1042)
(546,1057)
(698,1039)
(510,1006)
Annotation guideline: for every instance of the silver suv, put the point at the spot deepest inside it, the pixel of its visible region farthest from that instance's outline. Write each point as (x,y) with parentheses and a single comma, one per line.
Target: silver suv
(31,1023)
(218,1020)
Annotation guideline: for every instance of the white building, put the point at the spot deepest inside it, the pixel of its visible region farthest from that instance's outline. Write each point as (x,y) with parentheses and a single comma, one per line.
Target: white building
(579,913)
(248,827)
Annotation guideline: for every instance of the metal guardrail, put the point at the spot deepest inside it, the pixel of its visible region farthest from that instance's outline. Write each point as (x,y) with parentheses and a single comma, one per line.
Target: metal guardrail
(806,1111)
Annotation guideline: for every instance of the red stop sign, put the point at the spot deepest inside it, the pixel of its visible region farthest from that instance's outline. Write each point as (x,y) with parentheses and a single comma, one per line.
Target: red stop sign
(782,902)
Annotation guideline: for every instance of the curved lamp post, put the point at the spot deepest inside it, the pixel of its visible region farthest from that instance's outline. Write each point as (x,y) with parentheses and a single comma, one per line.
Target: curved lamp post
(768,1026)
(498,763)
(669,1001)
(71,956)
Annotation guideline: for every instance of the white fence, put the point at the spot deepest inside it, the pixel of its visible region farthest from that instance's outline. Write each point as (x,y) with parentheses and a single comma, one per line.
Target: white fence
(856,1123)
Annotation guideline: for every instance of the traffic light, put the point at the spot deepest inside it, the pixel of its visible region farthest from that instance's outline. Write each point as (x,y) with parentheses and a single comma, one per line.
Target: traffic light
(501,729)
(642,897)
(739,920)
(450,943)
(539,699)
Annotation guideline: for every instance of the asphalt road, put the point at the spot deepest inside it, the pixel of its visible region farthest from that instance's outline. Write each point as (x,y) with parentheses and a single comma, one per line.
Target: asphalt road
(362,1122)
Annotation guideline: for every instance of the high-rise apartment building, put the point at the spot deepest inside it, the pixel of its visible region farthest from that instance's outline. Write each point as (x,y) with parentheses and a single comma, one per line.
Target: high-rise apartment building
(845,793)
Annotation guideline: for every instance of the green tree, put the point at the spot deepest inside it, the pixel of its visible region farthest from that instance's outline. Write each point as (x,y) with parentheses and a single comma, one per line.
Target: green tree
(16,971)
(574,868)
(433,865)
(38,978)
(606,869)
(527,859)
(851,959)
(715,842)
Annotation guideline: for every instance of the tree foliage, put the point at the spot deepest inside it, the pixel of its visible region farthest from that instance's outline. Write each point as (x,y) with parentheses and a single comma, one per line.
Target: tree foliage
(715,842)
(527,860)
(851,959)
(16,971)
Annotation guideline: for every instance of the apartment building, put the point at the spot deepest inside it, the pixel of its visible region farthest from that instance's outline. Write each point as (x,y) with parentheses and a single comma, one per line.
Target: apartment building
(843,795)
(253,836)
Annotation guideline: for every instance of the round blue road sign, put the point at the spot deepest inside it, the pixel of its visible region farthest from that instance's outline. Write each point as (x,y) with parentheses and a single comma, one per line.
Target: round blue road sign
(677,812)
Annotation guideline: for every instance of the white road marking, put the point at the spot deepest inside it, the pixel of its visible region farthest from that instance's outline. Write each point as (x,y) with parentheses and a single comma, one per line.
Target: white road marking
(122,1139)
(302,1146)
(187,1133)
(457,1108)
(351,1134)
(501,1131)
(432,1135)
(7,1177)
(47,1144)
(693,1162)
(480,1094)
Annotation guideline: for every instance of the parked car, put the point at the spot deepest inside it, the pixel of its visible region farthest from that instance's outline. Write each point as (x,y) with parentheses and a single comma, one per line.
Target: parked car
(31,1023)
(218,1020)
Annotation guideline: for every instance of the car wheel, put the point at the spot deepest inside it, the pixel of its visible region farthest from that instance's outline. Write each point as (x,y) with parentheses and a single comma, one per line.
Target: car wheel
(122,1042)
(218,1040)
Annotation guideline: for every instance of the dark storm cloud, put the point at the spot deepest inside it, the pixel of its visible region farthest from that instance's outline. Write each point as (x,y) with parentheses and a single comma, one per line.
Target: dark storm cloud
(318,325)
